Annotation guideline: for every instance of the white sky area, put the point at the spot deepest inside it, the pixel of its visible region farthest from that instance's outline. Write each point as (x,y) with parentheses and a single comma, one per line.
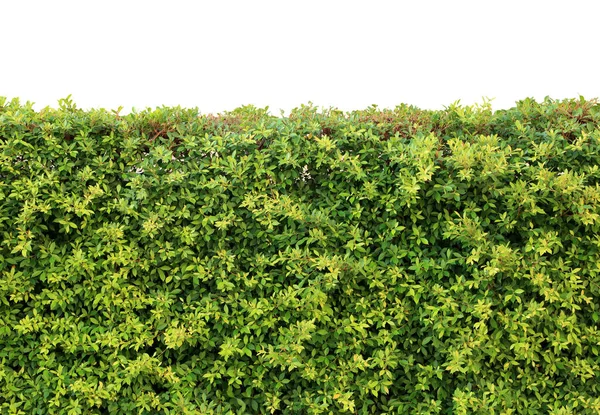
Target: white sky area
(219,55)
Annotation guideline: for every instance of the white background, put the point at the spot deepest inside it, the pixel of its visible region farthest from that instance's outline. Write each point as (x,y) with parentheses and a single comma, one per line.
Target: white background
(218,55)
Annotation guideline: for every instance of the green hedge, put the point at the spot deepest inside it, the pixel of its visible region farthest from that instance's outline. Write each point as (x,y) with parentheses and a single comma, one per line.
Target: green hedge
(397,261)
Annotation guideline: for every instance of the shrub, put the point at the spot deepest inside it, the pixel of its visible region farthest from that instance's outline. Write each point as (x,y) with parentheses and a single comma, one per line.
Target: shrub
(376,261)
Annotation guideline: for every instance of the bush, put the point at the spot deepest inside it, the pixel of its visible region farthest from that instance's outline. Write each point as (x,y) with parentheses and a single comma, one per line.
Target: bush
(370,262)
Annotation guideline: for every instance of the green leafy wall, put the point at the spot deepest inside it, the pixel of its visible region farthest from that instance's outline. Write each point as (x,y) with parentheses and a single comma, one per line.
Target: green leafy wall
(373,262)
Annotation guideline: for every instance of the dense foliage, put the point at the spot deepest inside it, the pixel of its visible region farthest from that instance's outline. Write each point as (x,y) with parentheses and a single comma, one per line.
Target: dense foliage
(380,261)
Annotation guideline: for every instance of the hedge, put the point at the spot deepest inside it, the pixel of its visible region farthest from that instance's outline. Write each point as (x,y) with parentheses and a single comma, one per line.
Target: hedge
(382,261)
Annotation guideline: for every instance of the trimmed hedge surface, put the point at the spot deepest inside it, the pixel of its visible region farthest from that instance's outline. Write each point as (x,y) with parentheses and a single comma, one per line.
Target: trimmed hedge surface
(372,262)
